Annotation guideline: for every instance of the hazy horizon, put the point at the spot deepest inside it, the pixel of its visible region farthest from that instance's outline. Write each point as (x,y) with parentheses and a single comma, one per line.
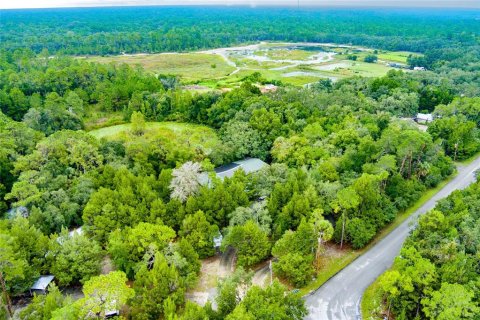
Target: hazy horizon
(31,4)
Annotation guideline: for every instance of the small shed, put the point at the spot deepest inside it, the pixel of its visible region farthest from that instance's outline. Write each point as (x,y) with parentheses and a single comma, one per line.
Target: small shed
(268,88)
(112,314)
(40,286)
(217,241)
(74,232)
(419,69)
(424,118)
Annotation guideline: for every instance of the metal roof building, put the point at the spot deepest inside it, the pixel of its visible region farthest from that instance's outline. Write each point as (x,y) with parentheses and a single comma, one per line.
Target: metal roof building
(16,212)
(248,165)
(424,117)
(41,285)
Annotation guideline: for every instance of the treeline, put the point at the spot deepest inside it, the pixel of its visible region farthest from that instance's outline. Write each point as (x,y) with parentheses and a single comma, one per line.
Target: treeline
(436,275)
(102,31)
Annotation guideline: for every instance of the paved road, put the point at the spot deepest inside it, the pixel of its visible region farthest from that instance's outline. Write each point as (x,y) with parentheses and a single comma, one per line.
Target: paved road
(339,298)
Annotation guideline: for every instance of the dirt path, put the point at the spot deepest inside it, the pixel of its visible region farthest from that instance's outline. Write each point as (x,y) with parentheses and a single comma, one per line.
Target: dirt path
(214,268)
(262,275)
(227,263)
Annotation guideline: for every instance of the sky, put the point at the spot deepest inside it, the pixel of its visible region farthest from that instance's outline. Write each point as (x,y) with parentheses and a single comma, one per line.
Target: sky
(10,4)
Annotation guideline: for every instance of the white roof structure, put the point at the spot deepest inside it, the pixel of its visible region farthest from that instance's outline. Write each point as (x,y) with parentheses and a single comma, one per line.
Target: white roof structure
(42,283)
(18,211)
(217,241)
(428,117)
(248,165)
(74,232)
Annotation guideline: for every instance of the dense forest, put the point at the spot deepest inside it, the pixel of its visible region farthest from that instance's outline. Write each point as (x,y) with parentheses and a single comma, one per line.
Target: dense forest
(163,29)
(344,160)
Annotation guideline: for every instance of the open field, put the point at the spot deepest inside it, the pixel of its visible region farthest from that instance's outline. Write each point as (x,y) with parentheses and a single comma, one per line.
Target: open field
(184,133)
(295,64)
(189,66)
(396,56)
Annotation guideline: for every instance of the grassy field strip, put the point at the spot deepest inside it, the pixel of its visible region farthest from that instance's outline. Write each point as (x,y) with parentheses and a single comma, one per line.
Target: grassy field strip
(189,66)
(334,266)
(395,56)
(372,302)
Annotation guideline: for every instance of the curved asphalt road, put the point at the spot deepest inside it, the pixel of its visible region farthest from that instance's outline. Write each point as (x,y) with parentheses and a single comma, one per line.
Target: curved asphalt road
(339,298)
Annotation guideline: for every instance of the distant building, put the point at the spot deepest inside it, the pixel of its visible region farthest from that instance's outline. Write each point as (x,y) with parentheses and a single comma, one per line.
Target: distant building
(419,69)
(40,286)
(17,212)
(75,232)
(112,314)
(423,118)
(268,88)
(396,65)
(248,165)
(217,241)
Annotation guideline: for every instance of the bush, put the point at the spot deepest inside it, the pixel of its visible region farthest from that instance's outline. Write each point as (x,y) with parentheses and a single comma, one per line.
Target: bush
(371,58)
(295,267)
(359,232)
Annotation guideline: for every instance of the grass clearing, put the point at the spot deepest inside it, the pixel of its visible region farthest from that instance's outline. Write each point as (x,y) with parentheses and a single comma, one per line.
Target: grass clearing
(190,67)
(331,268)
(188,134)
(395,56)
(96,119)
(371,305)
(369,69)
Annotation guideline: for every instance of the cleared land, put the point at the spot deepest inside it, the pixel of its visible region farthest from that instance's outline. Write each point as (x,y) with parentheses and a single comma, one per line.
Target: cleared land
(295,64)
(395,56)
(189,66)
(183,133)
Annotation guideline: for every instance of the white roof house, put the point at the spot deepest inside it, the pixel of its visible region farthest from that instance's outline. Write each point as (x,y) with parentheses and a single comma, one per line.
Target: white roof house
(72,233)
(424,117)
(217,241)
(269,88)
(41,284)
(248,165)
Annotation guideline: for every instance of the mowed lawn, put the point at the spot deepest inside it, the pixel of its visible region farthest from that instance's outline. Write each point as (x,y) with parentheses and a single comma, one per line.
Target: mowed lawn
(396,56)
(191,134)
(189,66)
